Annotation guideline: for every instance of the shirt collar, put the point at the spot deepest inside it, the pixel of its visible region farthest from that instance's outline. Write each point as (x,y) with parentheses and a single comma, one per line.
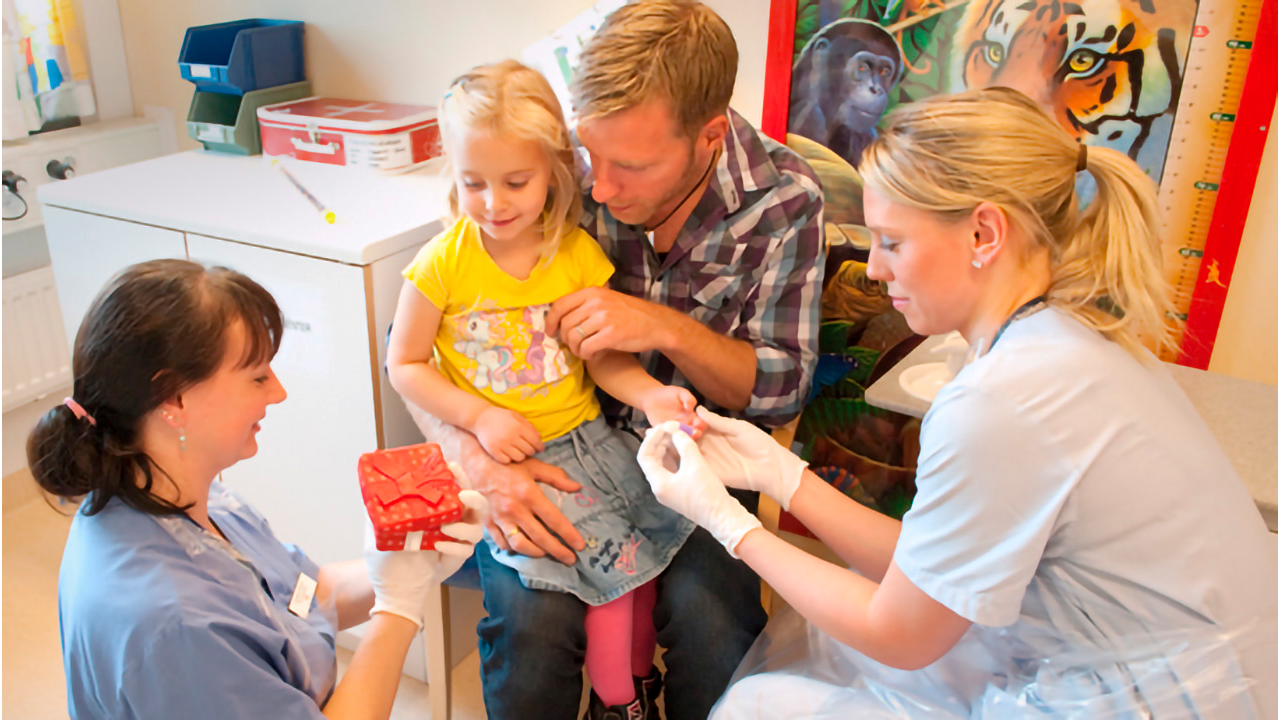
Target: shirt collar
(744,166)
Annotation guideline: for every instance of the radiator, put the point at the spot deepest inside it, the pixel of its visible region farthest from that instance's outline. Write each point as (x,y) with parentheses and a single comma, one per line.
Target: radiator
(36,358)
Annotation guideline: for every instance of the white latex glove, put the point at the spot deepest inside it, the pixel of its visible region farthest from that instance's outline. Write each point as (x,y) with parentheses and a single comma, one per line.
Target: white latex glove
(403,578)
(693,490)
(747,458)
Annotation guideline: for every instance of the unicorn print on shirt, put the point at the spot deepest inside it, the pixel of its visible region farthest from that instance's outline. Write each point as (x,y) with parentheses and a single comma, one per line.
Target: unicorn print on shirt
(497,341)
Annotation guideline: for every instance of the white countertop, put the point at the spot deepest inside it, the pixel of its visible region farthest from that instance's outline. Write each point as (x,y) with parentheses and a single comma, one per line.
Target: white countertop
(245,199)
(1240,413)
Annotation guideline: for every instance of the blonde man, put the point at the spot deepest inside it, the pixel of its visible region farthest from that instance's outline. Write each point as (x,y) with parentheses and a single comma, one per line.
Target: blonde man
(715,235)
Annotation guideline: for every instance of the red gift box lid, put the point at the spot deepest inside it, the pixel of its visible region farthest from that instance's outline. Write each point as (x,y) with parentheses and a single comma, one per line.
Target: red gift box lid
(409,485)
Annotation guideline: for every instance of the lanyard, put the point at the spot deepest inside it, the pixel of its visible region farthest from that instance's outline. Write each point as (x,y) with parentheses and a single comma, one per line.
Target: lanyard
(1030,307)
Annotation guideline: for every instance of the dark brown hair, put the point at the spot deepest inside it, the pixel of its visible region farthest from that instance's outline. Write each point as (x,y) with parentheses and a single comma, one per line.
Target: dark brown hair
(156,329)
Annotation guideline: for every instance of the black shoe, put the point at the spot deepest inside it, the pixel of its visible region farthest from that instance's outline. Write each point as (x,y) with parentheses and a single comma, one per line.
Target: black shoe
(637,709)
(649,687)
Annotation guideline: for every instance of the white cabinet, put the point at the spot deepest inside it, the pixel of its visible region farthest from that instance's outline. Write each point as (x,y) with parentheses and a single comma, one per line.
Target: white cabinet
(336,285)
(304,475)
(87,250)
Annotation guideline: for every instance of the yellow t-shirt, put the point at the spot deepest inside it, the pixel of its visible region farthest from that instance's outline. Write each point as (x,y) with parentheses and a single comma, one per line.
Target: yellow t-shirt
(491,340)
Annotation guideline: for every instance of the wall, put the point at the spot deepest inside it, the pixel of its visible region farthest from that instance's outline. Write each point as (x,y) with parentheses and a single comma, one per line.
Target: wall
(409,51)
(387,50)
(1246,344)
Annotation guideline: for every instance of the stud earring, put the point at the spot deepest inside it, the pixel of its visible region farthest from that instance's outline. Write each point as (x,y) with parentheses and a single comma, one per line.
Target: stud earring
(182,439)
(977,263)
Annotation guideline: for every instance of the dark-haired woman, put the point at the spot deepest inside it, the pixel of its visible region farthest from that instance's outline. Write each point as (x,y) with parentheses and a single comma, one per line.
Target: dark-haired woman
(175,599)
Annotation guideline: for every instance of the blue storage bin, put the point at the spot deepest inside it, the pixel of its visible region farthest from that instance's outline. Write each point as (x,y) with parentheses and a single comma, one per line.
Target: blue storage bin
(236,57)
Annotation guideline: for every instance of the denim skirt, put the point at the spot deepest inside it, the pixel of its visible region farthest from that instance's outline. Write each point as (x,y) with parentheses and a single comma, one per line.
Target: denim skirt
(630,536)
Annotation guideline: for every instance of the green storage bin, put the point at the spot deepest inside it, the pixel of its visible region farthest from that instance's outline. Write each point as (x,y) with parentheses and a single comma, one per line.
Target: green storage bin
(229,123)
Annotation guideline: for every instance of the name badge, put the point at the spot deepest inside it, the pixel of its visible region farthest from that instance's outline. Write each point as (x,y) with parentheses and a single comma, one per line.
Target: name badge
(303,592)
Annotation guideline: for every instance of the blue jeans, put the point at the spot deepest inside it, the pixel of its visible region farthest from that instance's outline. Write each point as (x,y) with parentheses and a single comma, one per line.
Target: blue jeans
(532,643)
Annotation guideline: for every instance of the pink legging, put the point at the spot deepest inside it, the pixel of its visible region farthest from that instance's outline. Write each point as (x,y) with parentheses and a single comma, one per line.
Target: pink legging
(620,644)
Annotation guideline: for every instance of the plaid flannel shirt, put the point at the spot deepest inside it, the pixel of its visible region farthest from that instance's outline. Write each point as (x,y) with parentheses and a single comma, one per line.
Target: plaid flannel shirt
(748,264)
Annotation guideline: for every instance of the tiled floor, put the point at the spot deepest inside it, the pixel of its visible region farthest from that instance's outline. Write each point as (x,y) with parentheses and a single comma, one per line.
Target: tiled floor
(33,684)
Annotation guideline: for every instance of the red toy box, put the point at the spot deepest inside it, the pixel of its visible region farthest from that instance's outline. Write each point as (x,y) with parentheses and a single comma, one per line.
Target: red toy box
(351,133)
(409,493)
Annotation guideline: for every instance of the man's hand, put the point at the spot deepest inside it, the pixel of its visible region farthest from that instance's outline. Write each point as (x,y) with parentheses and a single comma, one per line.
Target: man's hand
(507,436)
(521,518)
(515,500)
(595,319)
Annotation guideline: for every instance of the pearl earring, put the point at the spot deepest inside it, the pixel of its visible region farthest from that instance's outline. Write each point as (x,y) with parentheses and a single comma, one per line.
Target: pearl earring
(182,432)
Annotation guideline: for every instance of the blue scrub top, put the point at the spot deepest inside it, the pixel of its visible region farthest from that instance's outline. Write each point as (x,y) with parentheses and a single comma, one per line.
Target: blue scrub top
(160,619)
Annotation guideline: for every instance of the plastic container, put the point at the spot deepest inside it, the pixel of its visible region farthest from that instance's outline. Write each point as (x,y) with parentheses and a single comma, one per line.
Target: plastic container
(386,137)
(229,123)
(242,56)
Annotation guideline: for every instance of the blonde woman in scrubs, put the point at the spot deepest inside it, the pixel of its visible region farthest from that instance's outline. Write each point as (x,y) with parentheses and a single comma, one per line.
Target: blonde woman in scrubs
(1079,545)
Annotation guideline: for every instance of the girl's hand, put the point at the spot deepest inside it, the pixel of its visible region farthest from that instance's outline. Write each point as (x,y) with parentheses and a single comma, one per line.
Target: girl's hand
(673,403)
(692,487)
(507,436)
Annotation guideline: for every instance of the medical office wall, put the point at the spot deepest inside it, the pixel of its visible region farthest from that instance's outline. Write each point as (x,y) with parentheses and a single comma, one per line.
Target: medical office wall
(407,52)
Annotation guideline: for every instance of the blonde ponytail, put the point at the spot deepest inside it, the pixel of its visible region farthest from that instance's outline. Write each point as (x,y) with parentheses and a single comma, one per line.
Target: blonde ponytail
(947,154)
(1109,275)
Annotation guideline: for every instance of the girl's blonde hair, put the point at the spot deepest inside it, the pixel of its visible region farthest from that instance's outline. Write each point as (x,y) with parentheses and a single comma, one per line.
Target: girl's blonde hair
(515,101)
(947,154)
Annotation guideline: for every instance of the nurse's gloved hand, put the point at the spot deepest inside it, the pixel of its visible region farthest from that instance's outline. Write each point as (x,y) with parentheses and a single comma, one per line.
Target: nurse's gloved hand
(693,490)
(747,458)
(403,579)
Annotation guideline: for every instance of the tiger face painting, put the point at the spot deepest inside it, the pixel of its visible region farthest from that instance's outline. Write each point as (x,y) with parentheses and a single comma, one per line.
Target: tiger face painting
(1109,71)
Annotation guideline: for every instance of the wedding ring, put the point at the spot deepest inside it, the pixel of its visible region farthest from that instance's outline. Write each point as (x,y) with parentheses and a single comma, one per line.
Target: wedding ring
(581,333)
(513,532)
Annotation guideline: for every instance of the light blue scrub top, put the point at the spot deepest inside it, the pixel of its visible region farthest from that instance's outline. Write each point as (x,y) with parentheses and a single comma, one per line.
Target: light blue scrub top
(161,620)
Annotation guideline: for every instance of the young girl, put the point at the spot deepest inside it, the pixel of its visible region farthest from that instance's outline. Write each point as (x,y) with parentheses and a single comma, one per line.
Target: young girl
(476,299)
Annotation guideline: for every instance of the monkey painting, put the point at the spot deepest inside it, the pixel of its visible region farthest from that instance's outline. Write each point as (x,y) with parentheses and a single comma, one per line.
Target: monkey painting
(840,85)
